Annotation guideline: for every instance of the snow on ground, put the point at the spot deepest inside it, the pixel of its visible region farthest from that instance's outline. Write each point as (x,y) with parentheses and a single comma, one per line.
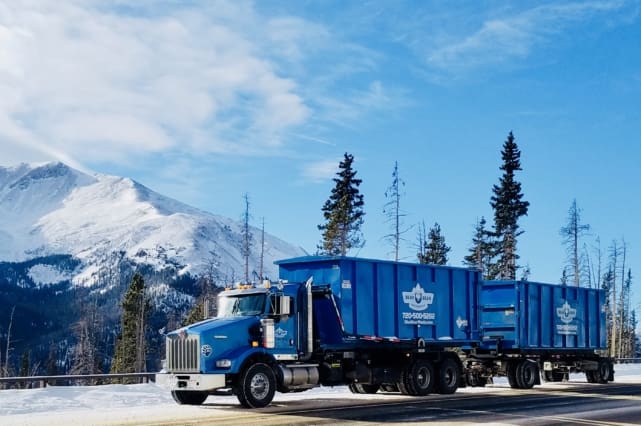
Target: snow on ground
(132,404)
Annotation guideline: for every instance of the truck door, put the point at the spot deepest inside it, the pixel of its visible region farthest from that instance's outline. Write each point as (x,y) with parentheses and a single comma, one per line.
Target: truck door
(285,334)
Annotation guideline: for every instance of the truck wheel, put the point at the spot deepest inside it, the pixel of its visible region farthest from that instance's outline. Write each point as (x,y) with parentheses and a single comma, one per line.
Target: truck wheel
(511,374)
(526,372)
(604,371)
(475,380)
(417,379)
(256,386)
(189,397)
(591,376)
(389,387)
(363,388)
(448,377)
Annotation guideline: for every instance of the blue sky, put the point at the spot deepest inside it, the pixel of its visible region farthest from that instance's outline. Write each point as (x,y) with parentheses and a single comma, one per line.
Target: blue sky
(207,100)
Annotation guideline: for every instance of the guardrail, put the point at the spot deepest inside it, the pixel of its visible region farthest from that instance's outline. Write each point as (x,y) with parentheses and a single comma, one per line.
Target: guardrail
(42,381)
(627,360)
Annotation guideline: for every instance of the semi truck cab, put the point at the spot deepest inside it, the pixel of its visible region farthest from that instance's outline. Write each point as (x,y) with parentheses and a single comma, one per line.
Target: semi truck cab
(246,348)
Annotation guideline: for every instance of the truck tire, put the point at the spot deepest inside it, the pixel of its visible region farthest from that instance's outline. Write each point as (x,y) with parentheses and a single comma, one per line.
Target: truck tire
(474,379)
(604,372)
(189,397)
(448,376)
(526,373)
(591,376)
(511,374)
(256,386)
(363,388)
(387,387)
(417,379)
(552,376)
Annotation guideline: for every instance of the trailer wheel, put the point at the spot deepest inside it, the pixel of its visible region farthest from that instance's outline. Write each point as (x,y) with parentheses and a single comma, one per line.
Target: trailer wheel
(474,379)
(511,374)
(363,388)
(389,387)
(189,397)
(526,373)
(448,377)
(603,374)
(553,376)
(256,386)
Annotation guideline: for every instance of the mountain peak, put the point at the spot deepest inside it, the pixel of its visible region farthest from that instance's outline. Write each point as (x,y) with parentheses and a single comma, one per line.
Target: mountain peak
(54,209)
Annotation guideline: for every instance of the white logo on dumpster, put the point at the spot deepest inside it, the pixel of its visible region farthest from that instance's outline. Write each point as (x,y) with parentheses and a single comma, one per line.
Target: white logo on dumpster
(566,314)
(418,300)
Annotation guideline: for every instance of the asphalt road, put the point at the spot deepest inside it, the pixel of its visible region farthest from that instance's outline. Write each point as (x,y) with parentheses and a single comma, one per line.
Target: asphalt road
(582,404)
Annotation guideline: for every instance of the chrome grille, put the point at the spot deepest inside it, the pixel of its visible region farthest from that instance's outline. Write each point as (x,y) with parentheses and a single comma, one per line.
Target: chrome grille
(183,354)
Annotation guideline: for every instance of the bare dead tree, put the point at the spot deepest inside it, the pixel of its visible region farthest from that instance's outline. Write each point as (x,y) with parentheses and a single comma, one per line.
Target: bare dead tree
(392,211)
(571,234)
(246,237)
(5,368)
(615,252)
(262,250)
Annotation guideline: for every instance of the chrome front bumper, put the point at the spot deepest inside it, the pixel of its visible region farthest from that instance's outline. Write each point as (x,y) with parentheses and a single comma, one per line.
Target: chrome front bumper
(195,382)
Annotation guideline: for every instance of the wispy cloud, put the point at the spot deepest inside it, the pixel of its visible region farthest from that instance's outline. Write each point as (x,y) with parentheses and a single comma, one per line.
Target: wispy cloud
(320,171)
(513,35)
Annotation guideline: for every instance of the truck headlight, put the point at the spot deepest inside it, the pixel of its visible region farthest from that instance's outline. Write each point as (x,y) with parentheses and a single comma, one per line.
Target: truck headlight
(223,363)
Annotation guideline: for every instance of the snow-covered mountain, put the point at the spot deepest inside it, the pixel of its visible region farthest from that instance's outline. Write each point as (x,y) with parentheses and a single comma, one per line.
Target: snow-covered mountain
(52,209)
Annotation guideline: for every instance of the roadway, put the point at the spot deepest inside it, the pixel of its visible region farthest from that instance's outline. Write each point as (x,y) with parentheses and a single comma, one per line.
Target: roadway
(614,404)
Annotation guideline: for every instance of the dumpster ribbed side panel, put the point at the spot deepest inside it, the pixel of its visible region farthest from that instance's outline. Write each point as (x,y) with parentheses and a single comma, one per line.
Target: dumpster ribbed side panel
(385,299)
(536,316)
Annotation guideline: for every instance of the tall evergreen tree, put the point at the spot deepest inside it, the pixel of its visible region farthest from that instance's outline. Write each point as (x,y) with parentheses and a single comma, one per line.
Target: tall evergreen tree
(571,233)
(130,351)
(482,250)
(508,206)
(435,252)
(392,210)
(343,213)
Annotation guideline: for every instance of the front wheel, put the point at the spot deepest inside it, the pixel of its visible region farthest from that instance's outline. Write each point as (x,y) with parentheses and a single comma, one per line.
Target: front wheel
(189,397)
(256,386)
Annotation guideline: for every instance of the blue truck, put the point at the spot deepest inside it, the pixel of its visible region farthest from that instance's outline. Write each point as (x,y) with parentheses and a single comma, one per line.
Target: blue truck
(381,325)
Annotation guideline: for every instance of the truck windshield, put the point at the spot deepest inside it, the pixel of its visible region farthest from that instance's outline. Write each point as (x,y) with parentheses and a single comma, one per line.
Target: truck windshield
(241,306)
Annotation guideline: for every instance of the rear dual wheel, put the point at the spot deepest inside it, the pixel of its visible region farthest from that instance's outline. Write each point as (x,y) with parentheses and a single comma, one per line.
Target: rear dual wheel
(522,374)
(417,379)
(448,376)
(363,388)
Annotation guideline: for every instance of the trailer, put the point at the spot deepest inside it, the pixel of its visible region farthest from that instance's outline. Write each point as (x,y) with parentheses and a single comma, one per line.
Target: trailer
(527,328)
(381,325)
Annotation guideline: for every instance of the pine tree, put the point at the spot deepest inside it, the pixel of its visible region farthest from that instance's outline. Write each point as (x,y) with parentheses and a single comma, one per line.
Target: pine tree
(435,252)
(508,206)
(343,213)
(130,351)
(393,212)
(482,250)
(571,234)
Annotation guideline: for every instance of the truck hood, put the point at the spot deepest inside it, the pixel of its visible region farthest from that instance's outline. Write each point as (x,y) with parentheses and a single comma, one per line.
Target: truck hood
(216,326)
